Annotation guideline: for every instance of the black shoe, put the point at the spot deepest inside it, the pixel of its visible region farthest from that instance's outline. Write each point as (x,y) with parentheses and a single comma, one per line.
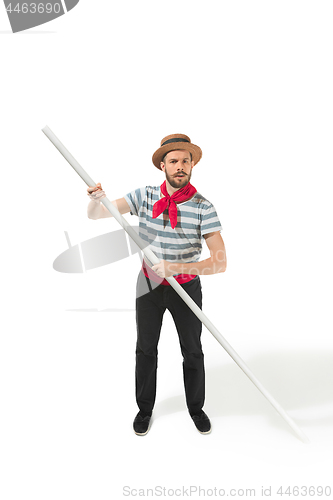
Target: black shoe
(141,424)
(202,422)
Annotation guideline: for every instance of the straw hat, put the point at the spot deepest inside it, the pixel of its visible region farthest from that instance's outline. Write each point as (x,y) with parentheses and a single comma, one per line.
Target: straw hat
(173,142)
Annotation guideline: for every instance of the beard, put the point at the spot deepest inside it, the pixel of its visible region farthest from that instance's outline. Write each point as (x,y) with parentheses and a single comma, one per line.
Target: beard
(178,183)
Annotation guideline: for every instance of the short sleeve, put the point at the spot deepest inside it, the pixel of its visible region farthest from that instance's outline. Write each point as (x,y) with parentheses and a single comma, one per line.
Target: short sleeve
(210,221)
(135,199)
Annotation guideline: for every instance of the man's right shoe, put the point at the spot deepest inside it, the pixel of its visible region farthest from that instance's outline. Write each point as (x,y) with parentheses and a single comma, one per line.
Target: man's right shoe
(202,422)
(141,424)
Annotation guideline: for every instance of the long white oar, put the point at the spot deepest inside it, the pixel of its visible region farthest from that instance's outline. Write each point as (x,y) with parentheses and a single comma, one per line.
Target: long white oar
(192,305)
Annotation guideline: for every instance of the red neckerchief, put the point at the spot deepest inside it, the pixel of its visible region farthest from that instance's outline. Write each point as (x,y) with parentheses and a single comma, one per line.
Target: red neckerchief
(169,202)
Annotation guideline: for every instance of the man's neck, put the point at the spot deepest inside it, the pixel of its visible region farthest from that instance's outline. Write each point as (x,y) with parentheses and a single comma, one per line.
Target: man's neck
(171,189)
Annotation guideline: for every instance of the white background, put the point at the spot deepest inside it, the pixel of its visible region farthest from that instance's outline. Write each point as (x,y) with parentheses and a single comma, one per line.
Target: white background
(251,83)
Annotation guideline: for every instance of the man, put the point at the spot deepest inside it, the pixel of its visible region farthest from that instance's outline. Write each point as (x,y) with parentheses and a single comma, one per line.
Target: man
(173,219)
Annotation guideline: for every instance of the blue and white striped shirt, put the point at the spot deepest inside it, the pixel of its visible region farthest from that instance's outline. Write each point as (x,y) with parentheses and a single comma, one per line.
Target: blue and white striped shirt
(196,217)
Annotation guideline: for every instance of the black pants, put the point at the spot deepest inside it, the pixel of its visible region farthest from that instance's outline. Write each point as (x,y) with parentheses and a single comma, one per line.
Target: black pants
(150,308)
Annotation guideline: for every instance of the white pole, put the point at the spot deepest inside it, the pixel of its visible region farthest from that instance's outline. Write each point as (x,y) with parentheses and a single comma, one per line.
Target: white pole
(187,299)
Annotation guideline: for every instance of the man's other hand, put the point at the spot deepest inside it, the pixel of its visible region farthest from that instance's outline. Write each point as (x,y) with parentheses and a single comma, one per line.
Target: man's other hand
(164,269)
(96,193)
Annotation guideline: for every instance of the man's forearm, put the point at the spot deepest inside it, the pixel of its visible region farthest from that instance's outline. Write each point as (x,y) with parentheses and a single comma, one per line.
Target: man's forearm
(212,265)
(98,210)
(94,210)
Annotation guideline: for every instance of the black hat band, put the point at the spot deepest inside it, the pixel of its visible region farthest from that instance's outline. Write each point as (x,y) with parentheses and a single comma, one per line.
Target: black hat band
(174,140)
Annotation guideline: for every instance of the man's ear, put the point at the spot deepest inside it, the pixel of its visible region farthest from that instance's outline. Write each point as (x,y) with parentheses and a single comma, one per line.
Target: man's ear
(162,166)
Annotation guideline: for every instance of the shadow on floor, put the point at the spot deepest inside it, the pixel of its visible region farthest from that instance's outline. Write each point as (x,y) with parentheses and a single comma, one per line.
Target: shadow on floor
(300,381)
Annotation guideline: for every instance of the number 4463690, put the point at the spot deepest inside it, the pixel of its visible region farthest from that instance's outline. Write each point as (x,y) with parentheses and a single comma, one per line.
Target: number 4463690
(33,8)
(305,491)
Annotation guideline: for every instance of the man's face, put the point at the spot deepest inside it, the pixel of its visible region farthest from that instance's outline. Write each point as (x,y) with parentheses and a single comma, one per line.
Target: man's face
(178,166)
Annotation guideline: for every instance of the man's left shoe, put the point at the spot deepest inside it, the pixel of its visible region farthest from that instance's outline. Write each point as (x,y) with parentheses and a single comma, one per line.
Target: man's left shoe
(202,422)
(141,424)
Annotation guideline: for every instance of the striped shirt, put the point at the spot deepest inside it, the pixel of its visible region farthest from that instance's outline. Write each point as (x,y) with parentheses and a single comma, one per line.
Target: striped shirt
(196,217)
